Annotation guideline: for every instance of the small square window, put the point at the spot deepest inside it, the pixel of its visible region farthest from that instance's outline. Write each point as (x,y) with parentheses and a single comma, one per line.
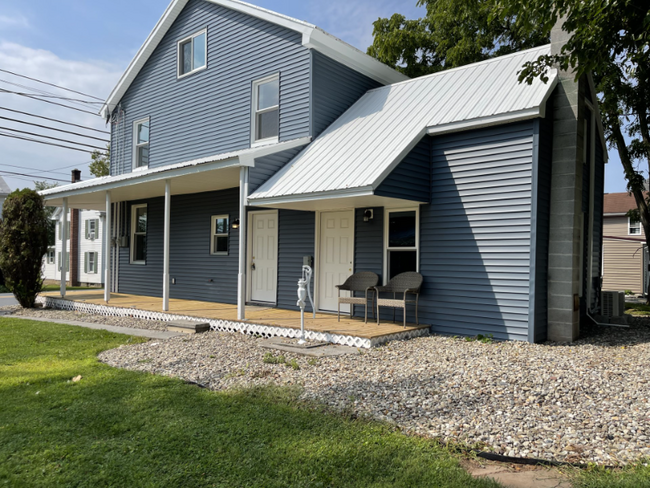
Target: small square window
(266,110)
(192,53)
(141,143)
(219,237)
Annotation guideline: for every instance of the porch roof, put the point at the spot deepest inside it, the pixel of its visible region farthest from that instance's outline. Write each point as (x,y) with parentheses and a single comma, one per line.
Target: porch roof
(199,175)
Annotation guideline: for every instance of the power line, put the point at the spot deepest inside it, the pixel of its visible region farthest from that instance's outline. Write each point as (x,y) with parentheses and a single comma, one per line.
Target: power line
(34,169)
(50,96)
(34,97)
(47,94)
(54,120)
(32,176)
(51,84)
(44,142)
(54,128)
(50,137)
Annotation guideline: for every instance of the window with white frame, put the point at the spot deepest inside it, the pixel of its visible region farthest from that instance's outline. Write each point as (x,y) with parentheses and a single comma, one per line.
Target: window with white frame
(90,262)
(139,234)
(192,53)
(92,226)
(266,109)
(67,265)
(50,255)
(141,143)
(633,227)
(219,240)
(401,241)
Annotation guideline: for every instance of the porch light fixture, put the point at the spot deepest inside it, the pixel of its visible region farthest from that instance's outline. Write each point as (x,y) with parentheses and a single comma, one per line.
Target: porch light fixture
(368,214)
(235,224)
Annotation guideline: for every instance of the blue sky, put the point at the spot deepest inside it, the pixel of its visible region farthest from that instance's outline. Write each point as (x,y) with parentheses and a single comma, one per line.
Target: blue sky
(85,45)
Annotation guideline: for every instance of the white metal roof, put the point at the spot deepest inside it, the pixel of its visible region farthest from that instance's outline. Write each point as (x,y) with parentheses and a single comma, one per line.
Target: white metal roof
(365,144)
(312,37)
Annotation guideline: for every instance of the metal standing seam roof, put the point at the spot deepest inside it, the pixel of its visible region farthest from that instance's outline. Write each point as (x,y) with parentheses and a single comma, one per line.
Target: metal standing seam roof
(365,144)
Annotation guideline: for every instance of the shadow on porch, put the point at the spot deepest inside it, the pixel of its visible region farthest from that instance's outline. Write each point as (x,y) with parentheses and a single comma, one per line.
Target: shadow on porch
(269,321)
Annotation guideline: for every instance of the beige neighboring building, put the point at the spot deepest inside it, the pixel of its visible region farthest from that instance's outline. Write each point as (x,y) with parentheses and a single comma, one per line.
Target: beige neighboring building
(623,245)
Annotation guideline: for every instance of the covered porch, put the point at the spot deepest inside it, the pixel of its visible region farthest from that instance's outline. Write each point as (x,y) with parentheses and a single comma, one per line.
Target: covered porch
(265,321)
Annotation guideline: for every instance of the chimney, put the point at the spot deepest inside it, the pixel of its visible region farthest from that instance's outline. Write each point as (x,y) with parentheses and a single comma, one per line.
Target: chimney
(74,237)
(567,221)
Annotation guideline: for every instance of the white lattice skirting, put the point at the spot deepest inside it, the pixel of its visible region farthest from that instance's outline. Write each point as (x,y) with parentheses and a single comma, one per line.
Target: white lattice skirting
(229,325)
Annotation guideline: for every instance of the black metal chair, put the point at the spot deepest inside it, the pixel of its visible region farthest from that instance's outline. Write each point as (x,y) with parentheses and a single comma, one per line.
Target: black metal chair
(363,281)
(406,283)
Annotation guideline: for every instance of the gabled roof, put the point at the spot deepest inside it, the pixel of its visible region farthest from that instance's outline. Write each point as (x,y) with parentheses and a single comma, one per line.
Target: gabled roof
(312,37)
(4,188)
(618,203)
(356,153)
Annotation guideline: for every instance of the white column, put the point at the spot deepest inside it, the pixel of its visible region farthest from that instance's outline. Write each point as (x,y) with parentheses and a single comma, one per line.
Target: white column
(241,278)
(168,198)
(107,250)
(64,244)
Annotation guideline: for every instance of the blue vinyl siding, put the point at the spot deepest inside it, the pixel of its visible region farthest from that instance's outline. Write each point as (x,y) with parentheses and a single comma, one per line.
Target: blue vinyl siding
(295,240)
(335,89)
(369,246)
(267,166)
(199,275)
(475,236)
(410,179)
(209,112)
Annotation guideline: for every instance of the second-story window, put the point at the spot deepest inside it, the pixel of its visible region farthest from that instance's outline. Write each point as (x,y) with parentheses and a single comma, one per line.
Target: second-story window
(633,226)
(266,109)
(192,53)
(141,143)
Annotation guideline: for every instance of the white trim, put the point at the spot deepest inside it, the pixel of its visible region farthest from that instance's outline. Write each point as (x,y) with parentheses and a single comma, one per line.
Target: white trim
(462,125)
(306,197)
(135,145)
(134,209)
(629,227)
(178,54)
(254,111)
(213,234)
(387,212)
(249,249)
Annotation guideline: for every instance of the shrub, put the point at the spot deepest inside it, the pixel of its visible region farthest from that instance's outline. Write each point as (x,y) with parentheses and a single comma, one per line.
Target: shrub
(23,242)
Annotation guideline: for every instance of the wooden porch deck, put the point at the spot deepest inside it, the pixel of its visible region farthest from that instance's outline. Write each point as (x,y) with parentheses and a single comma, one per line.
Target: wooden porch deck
(265,316)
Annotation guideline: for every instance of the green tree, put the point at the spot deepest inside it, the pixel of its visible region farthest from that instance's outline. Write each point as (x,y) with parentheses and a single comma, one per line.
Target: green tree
(101,162)
(49,211)
(23,242)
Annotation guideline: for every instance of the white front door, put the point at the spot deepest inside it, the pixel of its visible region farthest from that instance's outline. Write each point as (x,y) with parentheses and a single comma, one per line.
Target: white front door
(264,256)
(335,257)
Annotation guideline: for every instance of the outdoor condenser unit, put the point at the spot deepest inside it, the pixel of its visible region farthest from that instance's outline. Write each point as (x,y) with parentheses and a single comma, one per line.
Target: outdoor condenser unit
(613,303)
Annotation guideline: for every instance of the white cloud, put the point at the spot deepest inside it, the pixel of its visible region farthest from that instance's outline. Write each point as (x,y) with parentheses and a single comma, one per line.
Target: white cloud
(91,77)
(18,21)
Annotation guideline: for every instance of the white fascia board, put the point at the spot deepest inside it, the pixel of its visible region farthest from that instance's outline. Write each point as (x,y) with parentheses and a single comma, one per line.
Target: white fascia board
(615,214)
(261,13)
(309,197)
(530,113)
(248,158)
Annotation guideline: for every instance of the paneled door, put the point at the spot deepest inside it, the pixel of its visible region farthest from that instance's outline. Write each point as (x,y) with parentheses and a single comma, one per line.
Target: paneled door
(264,256)
(335,257)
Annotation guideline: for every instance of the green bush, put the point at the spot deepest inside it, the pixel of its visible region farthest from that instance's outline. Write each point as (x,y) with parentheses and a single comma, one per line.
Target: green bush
(23,242)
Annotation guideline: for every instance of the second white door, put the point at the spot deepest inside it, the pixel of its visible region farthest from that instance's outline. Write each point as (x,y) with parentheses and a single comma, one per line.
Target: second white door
(335,257)
(264,256)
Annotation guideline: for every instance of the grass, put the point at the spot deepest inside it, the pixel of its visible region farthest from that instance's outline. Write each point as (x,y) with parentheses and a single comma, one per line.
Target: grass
(121,428)
(638,308)
(634,476)
(57,287)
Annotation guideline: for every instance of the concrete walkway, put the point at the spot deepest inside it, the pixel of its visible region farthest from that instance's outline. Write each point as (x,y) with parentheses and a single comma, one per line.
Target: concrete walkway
(152,334)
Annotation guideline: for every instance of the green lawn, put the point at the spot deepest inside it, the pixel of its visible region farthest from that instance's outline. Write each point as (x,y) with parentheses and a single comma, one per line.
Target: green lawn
(637,476)
(127,429)
(72,288)
(638,308)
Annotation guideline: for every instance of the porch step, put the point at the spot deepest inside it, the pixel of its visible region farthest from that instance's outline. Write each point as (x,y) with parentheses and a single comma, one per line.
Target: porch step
(188,326)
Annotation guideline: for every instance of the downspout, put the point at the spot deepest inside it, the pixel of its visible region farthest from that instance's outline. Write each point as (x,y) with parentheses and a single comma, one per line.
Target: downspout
(241,278)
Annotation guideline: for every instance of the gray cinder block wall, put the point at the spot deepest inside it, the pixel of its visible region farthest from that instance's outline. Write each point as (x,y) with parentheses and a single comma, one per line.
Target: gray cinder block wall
(566,219)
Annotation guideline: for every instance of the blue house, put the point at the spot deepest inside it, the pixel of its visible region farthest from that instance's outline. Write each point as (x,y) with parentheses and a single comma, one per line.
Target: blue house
(244,142)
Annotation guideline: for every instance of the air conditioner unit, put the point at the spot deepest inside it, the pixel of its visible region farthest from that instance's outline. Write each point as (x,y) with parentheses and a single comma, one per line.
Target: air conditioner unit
(613,303)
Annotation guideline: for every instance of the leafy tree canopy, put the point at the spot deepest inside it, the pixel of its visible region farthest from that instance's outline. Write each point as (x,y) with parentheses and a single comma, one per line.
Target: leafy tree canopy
(101,162)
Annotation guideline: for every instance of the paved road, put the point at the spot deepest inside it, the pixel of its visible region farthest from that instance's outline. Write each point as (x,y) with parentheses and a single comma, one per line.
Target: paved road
(7,299)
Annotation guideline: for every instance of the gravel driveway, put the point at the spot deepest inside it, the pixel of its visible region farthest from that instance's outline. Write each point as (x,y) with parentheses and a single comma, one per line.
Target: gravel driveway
(587,401)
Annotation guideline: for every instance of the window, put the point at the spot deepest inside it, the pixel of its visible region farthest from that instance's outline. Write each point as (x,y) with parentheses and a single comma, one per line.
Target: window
(67,265)
(266,110)
(219,241)
(50,255)
(633,227)
(141,143)
(90,262)
(192,53)
(402,236)
(139,234)
(91,229)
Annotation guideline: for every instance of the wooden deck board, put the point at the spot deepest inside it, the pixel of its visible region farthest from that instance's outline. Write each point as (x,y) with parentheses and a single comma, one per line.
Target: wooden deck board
(274,317)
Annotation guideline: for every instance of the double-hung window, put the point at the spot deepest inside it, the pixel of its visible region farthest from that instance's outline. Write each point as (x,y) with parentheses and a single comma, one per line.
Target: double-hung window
(141,143)
(402,236)
(90,262)
(633,227)
(50,255)
(192,53)
(266,110)
(219,241)
(139,234)
(91,229)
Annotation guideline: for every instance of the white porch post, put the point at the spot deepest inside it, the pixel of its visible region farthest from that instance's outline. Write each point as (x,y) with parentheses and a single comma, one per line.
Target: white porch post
(64,245)
(107,250)
(168,197)
(241,279)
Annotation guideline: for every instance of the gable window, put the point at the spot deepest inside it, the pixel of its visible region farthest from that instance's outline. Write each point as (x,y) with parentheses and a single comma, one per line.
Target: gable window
(192,53)
(139,234)
(50,255)
(401,241)
(219,241)
(91,229)
(266,110)
(141,143)
(90,262)
(633,227)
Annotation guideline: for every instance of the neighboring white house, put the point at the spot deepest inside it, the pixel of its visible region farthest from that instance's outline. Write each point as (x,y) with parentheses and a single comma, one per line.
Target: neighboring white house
(89,255)
(4,192)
